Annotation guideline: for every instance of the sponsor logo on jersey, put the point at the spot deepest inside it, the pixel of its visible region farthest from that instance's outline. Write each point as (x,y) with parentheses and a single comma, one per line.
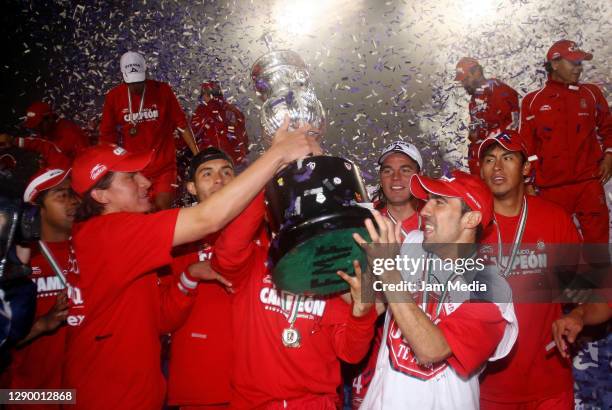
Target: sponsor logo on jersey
(282,302)
(545,107)
(147,114)
(583,103)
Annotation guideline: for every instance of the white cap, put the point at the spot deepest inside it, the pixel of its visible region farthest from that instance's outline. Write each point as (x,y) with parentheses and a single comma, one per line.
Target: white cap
(404,148)
(133,67)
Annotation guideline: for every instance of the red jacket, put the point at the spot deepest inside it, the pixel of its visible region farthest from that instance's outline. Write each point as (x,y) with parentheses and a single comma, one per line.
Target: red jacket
(220,124)
(494,105)
(560,124)
(203,342)
(265,372)
(68,137)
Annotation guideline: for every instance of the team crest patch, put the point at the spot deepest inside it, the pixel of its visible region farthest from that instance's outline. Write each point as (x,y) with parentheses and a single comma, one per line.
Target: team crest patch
(583,103)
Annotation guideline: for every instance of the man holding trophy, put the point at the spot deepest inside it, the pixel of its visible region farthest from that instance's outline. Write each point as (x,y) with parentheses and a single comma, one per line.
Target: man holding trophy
(289,332)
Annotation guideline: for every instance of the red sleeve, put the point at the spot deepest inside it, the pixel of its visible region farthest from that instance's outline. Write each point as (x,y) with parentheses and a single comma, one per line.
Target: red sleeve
(527,131)
(175,304)
(507,105)
(175,110)
(52,155)
(108,123)
(352,338)
(473,332)
(603,118)
(236,245)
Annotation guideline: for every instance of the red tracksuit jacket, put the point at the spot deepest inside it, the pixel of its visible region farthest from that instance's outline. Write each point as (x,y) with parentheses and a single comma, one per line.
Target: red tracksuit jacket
(560,124)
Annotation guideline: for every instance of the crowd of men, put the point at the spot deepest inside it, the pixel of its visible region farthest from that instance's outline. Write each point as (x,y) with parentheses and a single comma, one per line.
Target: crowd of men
(135,269)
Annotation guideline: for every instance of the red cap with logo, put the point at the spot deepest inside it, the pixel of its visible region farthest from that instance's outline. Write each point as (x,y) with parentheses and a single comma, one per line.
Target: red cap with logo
(464,66)
(44,179)
(35,114)
(568,50)
(93,163)
(459,185)
(510,140)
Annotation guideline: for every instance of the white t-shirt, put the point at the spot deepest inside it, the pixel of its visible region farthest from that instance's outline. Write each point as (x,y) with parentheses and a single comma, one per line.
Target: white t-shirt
(476,332)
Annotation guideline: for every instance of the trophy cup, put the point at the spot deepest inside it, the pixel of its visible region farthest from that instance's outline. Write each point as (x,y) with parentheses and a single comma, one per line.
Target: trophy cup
(313,202)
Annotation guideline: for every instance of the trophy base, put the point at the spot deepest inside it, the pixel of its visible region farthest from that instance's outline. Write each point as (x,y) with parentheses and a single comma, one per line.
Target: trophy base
(314,251)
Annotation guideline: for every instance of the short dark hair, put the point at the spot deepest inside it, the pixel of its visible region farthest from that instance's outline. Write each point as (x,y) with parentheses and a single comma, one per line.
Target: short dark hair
(89,207)
(548,67)
(206,155)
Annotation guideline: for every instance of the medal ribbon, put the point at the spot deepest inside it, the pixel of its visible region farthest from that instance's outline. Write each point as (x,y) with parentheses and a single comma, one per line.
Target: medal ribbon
(404,233)
(133,121)
(516,242)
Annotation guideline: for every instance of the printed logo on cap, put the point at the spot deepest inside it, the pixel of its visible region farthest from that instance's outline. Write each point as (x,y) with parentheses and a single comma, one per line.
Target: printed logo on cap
(97,170)
(447,178)
(571,47)
(119,151)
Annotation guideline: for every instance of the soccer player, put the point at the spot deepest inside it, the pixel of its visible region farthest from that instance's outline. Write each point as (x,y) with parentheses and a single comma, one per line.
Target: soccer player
(561,124)
(141,115)
(436,340)
(38,359)
(493,105)
(204,341)
(118,310)
(527,228)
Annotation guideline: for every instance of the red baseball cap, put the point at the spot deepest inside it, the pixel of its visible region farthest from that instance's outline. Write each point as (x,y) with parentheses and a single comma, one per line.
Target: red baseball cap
(510,140)
(35,114)
(44,179)
(212,86)
(459,185)
(568,50)
(463,67)
(93,163)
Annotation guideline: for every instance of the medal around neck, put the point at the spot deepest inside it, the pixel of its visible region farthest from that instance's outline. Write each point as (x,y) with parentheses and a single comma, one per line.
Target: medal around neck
(312,203)
(291,337)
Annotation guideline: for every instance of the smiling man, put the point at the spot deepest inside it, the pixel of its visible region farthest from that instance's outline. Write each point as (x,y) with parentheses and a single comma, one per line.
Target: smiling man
(532,376)
(435,343)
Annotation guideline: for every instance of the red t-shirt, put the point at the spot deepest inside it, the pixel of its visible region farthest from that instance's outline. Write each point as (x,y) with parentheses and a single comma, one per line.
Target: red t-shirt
(38,365)
(360,384)
(160,116)
(221,124)
(118,312)
(264,370)
(529,372)
(203,342)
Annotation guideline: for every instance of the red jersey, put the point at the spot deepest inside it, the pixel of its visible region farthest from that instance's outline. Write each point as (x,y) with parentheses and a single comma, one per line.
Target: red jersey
(494,105)
(51,155)
(561,124)
(265,372)
(118,310)
(361,383)
(38,365)
(220,124)
(155,124)
(203,342)
(530,372)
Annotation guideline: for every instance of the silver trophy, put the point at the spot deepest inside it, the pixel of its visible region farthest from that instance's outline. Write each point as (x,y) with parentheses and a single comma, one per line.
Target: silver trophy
(282,81)
(312,203)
